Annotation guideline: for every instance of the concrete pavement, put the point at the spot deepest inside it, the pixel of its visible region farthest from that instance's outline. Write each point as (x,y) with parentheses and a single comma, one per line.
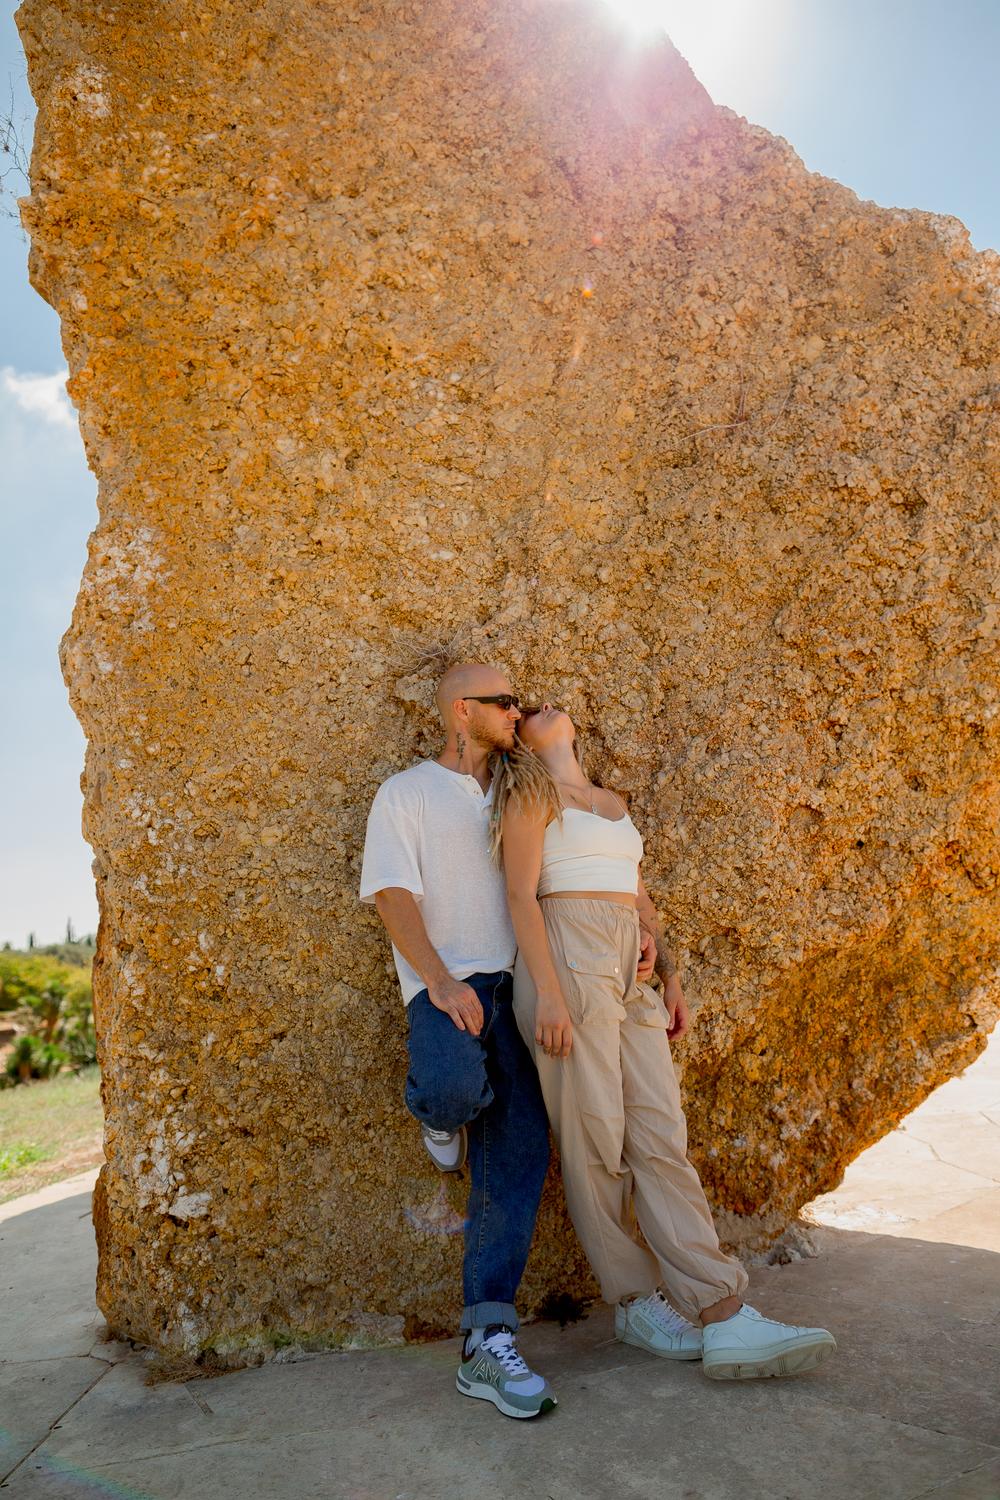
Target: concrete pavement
(908,1278)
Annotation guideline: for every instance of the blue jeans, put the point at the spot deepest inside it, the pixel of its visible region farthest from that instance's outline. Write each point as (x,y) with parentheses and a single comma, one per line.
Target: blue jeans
(490,1084)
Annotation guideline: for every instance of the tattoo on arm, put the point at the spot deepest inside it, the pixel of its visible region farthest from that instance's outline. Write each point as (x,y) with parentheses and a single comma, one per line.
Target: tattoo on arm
(665,965)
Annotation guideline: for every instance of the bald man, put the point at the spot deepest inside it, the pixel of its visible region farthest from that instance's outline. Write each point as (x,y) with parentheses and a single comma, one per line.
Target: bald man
(472,1083)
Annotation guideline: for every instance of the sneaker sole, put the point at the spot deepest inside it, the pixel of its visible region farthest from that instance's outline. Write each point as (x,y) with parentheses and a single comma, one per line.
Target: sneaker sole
(638,1343)
(483,1392)
(790,1360)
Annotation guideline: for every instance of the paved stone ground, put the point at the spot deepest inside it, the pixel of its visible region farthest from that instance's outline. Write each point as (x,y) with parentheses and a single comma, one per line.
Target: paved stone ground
(908,1279)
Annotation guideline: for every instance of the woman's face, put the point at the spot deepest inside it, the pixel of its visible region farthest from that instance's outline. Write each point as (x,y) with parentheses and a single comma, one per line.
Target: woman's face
(540,728)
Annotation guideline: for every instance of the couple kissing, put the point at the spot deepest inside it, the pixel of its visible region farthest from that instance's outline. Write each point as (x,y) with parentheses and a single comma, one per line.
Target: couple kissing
(524,941)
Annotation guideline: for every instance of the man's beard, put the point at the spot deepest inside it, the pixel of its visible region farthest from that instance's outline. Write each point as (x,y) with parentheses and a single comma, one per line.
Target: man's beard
(492,739)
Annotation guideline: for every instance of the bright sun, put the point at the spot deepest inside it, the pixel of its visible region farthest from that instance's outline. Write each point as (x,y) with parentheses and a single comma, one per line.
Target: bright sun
(703,24)
(640,15)
(736,48)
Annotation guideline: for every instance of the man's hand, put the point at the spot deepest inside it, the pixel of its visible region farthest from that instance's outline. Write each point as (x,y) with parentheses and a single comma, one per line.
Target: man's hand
(677,1010)
(459,1001)
(553,1027)
(647,958)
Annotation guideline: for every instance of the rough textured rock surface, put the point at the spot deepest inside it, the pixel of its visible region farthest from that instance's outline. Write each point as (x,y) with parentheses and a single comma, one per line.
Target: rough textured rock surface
(397,329)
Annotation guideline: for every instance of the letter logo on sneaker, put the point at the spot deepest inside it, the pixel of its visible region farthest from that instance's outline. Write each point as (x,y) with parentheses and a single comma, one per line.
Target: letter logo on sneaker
(488,1369)
(494,1371)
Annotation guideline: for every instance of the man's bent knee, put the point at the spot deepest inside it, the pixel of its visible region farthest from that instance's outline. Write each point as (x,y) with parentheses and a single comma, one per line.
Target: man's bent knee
(447,1108)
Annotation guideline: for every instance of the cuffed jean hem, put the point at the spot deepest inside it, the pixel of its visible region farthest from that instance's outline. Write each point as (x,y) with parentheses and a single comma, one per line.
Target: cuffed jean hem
(482,1314)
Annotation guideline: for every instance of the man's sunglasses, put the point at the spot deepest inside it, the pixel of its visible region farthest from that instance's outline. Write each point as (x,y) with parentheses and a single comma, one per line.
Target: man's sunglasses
(503,700)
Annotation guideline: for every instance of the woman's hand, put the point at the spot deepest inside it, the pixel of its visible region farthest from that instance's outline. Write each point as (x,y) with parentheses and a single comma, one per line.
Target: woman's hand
(677,1009)
(553,1027)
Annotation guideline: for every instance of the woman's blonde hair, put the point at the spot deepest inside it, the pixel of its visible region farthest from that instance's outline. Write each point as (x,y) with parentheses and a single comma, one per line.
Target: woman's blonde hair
(522,780)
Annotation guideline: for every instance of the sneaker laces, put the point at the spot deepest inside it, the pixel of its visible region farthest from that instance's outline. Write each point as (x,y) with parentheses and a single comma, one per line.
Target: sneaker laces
(501,1346)
(439,1135)
(660,1312)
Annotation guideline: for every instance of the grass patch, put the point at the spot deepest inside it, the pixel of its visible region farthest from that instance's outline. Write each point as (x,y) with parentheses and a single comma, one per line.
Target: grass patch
(49,1129)
(19,1156)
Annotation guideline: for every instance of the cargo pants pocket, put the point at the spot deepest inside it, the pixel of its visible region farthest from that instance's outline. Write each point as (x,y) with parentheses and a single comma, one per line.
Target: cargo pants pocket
(645,1007)
(595,988)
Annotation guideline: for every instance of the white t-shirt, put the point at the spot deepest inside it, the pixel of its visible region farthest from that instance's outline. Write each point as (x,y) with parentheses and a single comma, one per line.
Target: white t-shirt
(428,832)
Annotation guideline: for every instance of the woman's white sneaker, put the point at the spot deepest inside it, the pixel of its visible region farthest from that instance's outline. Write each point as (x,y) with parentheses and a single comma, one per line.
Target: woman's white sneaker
(447,1148)
(651,1323)
(748,1345)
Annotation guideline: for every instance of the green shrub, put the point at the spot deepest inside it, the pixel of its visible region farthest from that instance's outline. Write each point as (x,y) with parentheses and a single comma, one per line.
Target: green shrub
(32,1057)
(58,1000)
(80,1040)
(26,979)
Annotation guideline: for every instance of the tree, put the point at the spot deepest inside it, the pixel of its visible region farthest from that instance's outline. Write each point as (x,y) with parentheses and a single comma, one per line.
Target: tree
(13,160)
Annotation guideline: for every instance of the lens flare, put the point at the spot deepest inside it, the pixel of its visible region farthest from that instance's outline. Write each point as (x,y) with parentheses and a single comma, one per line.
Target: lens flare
(643,17)
(739,50)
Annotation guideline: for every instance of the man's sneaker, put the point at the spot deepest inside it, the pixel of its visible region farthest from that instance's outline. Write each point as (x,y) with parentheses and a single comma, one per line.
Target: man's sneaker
(651,1323)
(447,1148)
(747,1345)
(494,1371)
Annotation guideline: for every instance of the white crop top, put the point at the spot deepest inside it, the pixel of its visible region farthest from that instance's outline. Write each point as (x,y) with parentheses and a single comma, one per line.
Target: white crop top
(589,853)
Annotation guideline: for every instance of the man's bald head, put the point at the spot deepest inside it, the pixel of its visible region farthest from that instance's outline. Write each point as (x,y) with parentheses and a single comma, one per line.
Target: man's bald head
(463,680)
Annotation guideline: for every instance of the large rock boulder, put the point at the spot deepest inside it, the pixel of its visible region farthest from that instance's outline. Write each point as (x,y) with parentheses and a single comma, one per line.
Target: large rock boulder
(400,331)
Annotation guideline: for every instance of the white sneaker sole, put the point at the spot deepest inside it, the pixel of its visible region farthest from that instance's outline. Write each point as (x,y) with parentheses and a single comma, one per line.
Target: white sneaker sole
(637,1342)
(790,1357)
(481,1391)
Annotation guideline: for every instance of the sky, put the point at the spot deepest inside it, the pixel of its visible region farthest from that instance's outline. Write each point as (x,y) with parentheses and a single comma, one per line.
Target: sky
(891,97)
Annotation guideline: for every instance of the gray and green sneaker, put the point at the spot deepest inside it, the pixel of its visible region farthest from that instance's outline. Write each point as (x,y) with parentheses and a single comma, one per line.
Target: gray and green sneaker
(494,1371)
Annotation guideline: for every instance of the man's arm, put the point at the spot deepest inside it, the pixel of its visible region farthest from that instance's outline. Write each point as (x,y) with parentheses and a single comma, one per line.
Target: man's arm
(401,917)
(650,922)
(392,879)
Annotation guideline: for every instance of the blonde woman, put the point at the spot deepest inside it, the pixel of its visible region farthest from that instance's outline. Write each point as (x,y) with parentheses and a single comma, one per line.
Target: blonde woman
(570,855)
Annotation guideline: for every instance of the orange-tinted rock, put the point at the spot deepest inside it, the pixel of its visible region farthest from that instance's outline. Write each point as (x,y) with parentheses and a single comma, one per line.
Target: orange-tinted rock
(397,329)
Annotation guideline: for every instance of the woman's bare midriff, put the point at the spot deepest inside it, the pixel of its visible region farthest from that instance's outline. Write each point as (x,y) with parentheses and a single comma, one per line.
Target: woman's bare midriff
(623,898)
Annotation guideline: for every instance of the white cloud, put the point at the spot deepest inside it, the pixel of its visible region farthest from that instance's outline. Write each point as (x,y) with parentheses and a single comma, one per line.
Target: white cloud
(47,510)
(40,395)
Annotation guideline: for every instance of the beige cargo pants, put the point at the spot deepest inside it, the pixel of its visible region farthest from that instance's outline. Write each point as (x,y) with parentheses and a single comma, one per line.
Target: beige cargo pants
(614,1104)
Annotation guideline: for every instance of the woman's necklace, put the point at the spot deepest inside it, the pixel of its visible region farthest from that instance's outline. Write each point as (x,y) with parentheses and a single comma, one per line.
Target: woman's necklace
(572,786)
